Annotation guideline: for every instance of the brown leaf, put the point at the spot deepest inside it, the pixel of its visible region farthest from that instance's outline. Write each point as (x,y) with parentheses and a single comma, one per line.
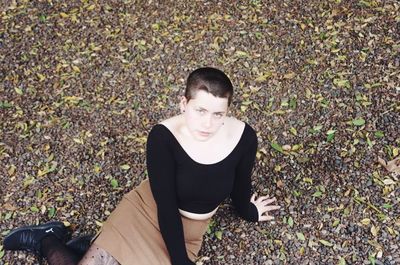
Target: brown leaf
(391,166)
(280,184)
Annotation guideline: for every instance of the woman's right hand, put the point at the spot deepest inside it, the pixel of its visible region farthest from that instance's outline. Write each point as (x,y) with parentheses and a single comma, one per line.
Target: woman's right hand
(263,204)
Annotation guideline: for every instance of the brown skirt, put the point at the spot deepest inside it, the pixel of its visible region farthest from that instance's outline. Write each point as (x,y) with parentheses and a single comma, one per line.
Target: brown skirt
(132,235)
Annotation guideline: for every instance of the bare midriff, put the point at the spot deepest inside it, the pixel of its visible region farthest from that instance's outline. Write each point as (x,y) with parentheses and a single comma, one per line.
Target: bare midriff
(198,216)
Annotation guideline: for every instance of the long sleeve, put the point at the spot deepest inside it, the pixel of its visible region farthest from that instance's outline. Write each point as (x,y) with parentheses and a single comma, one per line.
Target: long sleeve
(242,189)
(161,170)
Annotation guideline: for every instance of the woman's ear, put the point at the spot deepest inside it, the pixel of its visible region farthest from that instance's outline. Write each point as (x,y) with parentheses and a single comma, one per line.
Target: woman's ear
(182,103)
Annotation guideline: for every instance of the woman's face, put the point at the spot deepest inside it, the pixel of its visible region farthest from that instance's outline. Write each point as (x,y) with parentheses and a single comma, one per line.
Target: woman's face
(204,114)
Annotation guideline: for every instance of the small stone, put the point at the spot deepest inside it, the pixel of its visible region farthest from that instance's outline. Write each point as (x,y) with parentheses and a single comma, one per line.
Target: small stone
(286,147)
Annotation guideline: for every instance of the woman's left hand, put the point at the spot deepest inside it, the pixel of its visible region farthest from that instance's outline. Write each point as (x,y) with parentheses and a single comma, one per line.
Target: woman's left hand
(263,204)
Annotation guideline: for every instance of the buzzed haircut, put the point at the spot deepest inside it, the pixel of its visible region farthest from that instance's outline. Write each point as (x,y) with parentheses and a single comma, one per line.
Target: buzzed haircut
(211,80)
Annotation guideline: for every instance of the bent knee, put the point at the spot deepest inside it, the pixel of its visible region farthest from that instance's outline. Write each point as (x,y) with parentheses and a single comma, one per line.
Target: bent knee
(96,255)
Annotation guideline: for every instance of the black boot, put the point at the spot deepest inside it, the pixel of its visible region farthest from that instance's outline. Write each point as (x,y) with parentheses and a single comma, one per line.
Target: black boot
(29,237)
(80,245)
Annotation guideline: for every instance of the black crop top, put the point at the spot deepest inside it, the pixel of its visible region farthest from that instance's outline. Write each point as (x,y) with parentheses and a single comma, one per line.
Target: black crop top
(177,181)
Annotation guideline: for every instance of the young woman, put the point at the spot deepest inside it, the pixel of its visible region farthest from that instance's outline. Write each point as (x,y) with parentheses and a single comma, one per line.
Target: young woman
(195,160)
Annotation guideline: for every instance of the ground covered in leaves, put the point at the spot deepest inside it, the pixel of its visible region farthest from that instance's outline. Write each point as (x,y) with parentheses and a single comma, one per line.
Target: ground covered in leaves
(82,82)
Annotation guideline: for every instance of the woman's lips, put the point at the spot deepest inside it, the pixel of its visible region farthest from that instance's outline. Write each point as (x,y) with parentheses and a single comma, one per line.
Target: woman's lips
(204,133)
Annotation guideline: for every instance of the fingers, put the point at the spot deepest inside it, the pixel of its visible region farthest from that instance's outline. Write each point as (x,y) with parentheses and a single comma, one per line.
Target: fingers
(263,204)
(267,201)
(266,198)
(271,208)
(264,218)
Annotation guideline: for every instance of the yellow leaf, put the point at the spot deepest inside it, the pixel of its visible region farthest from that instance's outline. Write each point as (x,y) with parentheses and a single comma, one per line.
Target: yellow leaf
(366,221)
(125,167)
(72,99)
(11,170)
(374,230)
(78,140)
(263,77)
(395,152)
(97,169)
(241,54)
(18,90)
(41,77)
(64,15)
(301,251)
(42,172)
(91,7)
(76,69)
(296,147)
(74,18)
(289,75)
(391,231)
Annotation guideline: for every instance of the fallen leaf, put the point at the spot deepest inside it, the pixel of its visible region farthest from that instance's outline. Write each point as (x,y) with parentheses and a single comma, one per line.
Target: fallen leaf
(325,243)
(391,166)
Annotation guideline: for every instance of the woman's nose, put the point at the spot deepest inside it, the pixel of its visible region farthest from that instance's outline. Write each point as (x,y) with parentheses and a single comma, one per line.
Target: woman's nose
(207,122)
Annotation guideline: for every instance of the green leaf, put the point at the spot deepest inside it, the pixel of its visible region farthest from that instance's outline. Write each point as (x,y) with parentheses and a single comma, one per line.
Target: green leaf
(317,194)
(290,222)
(51,212)
(210,227)
(42,18)
(218,234)
(342,82)
(5,105)
(34,209)
(277,147)
(370,144)
(300,236)
(293,103)
(364,3)
(330,135)
(316,128)
(379,134)
(325,243)
(335,223)
(8,215)
(114,183)
(342,261)
(293,131)
(358,122)
(1,254)
(387,206)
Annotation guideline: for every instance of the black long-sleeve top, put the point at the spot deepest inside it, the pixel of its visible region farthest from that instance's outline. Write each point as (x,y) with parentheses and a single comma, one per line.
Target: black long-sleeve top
(177,181)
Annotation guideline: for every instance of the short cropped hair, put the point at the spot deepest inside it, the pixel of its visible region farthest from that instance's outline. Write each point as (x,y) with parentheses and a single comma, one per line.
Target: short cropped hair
(211,80)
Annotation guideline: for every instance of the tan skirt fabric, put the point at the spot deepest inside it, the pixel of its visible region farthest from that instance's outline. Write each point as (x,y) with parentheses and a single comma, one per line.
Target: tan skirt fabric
(132,235)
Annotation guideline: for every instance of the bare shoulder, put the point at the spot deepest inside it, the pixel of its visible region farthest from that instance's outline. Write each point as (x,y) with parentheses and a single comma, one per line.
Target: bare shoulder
(234,125)
(173,123)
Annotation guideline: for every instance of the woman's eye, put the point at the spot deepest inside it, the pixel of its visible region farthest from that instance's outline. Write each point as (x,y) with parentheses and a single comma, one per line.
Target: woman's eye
(218,115)
(202,111)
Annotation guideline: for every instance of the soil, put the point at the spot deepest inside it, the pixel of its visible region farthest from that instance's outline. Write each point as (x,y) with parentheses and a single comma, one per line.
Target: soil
(82,83)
